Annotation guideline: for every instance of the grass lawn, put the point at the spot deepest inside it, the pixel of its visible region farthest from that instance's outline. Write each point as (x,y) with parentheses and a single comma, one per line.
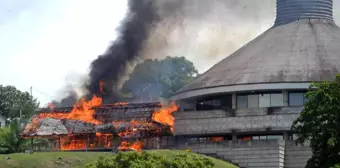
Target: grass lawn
(75,159)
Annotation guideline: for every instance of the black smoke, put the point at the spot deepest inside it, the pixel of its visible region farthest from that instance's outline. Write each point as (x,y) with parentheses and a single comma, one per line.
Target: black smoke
(112,66)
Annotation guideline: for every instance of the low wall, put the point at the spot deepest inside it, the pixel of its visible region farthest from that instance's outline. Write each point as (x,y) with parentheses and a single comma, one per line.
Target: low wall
(255,154)
(296,156)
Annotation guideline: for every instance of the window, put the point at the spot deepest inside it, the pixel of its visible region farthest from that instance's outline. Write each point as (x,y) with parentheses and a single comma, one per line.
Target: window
(279,137)
(276,100)
(242,101)
(264,100)
(296,99)
(253,101)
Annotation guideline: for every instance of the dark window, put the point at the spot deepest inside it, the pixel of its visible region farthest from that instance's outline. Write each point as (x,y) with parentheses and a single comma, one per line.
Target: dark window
(296,99)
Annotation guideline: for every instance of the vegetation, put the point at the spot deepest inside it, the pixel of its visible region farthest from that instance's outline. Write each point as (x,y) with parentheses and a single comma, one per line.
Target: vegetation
(160,78)
(159,159)
(13,102)
(320,122)
(81,159)
(10,141)
(50,159)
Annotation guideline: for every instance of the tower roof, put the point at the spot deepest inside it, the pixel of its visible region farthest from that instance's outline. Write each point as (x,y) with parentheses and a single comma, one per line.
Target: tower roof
(302,46)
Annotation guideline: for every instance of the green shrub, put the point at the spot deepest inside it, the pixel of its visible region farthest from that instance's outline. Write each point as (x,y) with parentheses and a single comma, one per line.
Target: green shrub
(148,160)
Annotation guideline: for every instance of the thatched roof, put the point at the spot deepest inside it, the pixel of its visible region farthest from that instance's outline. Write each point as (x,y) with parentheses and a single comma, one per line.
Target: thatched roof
(302,46)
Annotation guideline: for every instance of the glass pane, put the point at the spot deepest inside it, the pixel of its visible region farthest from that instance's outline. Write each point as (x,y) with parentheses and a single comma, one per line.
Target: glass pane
(276,100)
(256,137)
(296,99)
(253,101)
(280,137)
(242,101)
(263,137)
(264,100)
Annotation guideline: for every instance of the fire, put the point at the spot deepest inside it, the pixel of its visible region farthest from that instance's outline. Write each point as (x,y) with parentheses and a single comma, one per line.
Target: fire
(71,143)
(164,115)
(216,139)
(137,145)
(84,111)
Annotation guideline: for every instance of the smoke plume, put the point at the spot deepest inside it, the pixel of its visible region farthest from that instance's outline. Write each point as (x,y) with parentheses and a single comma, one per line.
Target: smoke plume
(200,30)
(204,31)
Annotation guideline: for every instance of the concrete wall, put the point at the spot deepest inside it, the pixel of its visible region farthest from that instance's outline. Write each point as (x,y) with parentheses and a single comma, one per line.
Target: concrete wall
(249,154)
(255,154)
(296,156)
(219,121)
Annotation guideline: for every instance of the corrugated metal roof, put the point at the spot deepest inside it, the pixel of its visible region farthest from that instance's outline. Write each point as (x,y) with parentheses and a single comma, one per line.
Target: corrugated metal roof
(301,51)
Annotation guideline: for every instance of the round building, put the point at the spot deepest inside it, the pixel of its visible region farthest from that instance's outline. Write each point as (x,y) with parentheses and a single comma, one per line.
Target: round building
(258,91)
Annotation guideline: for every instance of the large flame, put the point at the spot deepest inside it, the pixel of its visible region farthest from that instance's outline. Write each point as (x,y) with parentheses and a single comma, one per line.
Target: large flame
(84,111)
(136,145)
(164,115)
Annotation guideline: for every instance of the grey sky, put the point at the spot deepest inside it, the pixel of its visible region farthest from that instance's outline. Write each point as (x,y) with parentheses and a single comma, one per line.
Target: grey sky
(47,43)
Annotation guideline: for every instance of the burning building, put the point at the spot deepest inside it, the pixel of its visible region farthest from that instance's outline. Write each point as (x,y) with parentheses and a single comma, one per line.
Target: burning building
(90,125)
(240,110)
(251,98)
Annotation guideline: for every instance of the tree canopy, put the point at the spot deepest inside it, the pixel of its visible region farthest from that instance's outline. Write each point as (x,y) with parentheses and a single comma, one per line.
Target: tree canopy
(319,123)
(160,78)
(12,101)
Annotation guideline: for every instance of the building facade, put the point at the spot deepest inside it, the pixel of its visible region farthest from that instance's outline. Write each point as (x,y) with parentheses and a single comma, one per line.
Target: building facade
(242,108)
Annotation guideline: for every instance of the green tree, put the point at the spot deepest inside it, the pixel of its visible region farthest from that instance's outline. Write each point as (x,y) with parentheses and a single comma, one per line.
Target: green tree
(13,102)
(10,141)
(160,78)
(319,123)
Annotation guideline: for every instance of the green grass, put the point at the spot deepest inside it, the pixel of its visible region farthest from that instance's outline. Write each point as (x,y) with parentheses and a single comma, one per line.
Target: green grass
(76,159)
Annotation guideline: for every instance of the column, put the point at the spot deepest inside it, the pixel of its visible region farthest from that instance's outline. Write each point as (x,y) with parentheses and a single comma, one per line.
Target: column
(285,136)
(233,99)
(285,98)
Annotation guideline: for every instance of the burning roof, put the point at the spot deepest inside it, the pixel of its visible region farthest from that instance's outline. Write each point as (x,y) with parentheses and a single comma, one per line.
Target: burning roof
(91,117)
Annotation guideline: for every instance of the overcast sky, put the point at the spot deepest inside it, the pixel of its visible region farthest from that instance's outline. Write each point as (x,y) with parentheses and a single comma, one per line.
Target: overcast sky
(43,43)
(47,44)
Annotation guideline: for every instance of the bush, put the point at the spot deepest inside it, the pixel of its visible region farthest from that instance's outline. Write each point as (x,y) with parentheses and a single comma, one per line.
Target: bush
(148,160)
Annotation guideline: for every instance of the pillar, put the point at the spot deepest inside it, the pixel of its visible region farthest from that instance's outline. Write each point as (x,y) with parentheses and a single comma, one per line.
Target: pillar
(285,136)
(234,135)
(233,100)
(285,98)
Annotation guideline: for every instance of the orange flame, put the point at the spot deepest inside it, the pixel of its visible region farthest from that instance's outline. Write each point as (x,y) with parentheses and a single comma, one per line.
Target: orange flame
(216,139)
(164,115)
(137,145)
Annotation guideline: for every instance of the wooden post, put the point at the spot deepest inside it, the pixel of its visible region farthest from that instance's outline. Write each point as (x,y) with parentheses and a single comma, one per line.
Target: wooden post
(32,144)
(59,138)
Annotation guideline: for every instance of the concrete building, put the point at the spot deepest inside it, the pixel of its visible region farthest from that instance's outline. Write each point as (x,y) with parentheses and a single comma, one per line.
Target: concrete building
(242,108)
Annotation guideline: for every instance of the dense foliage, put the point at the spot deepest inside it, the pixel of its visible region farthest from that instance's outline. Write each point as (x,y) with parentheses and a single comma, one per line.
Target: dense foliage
(10,141)
(320,122)
(160,78)
(13,102)
(149,160)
